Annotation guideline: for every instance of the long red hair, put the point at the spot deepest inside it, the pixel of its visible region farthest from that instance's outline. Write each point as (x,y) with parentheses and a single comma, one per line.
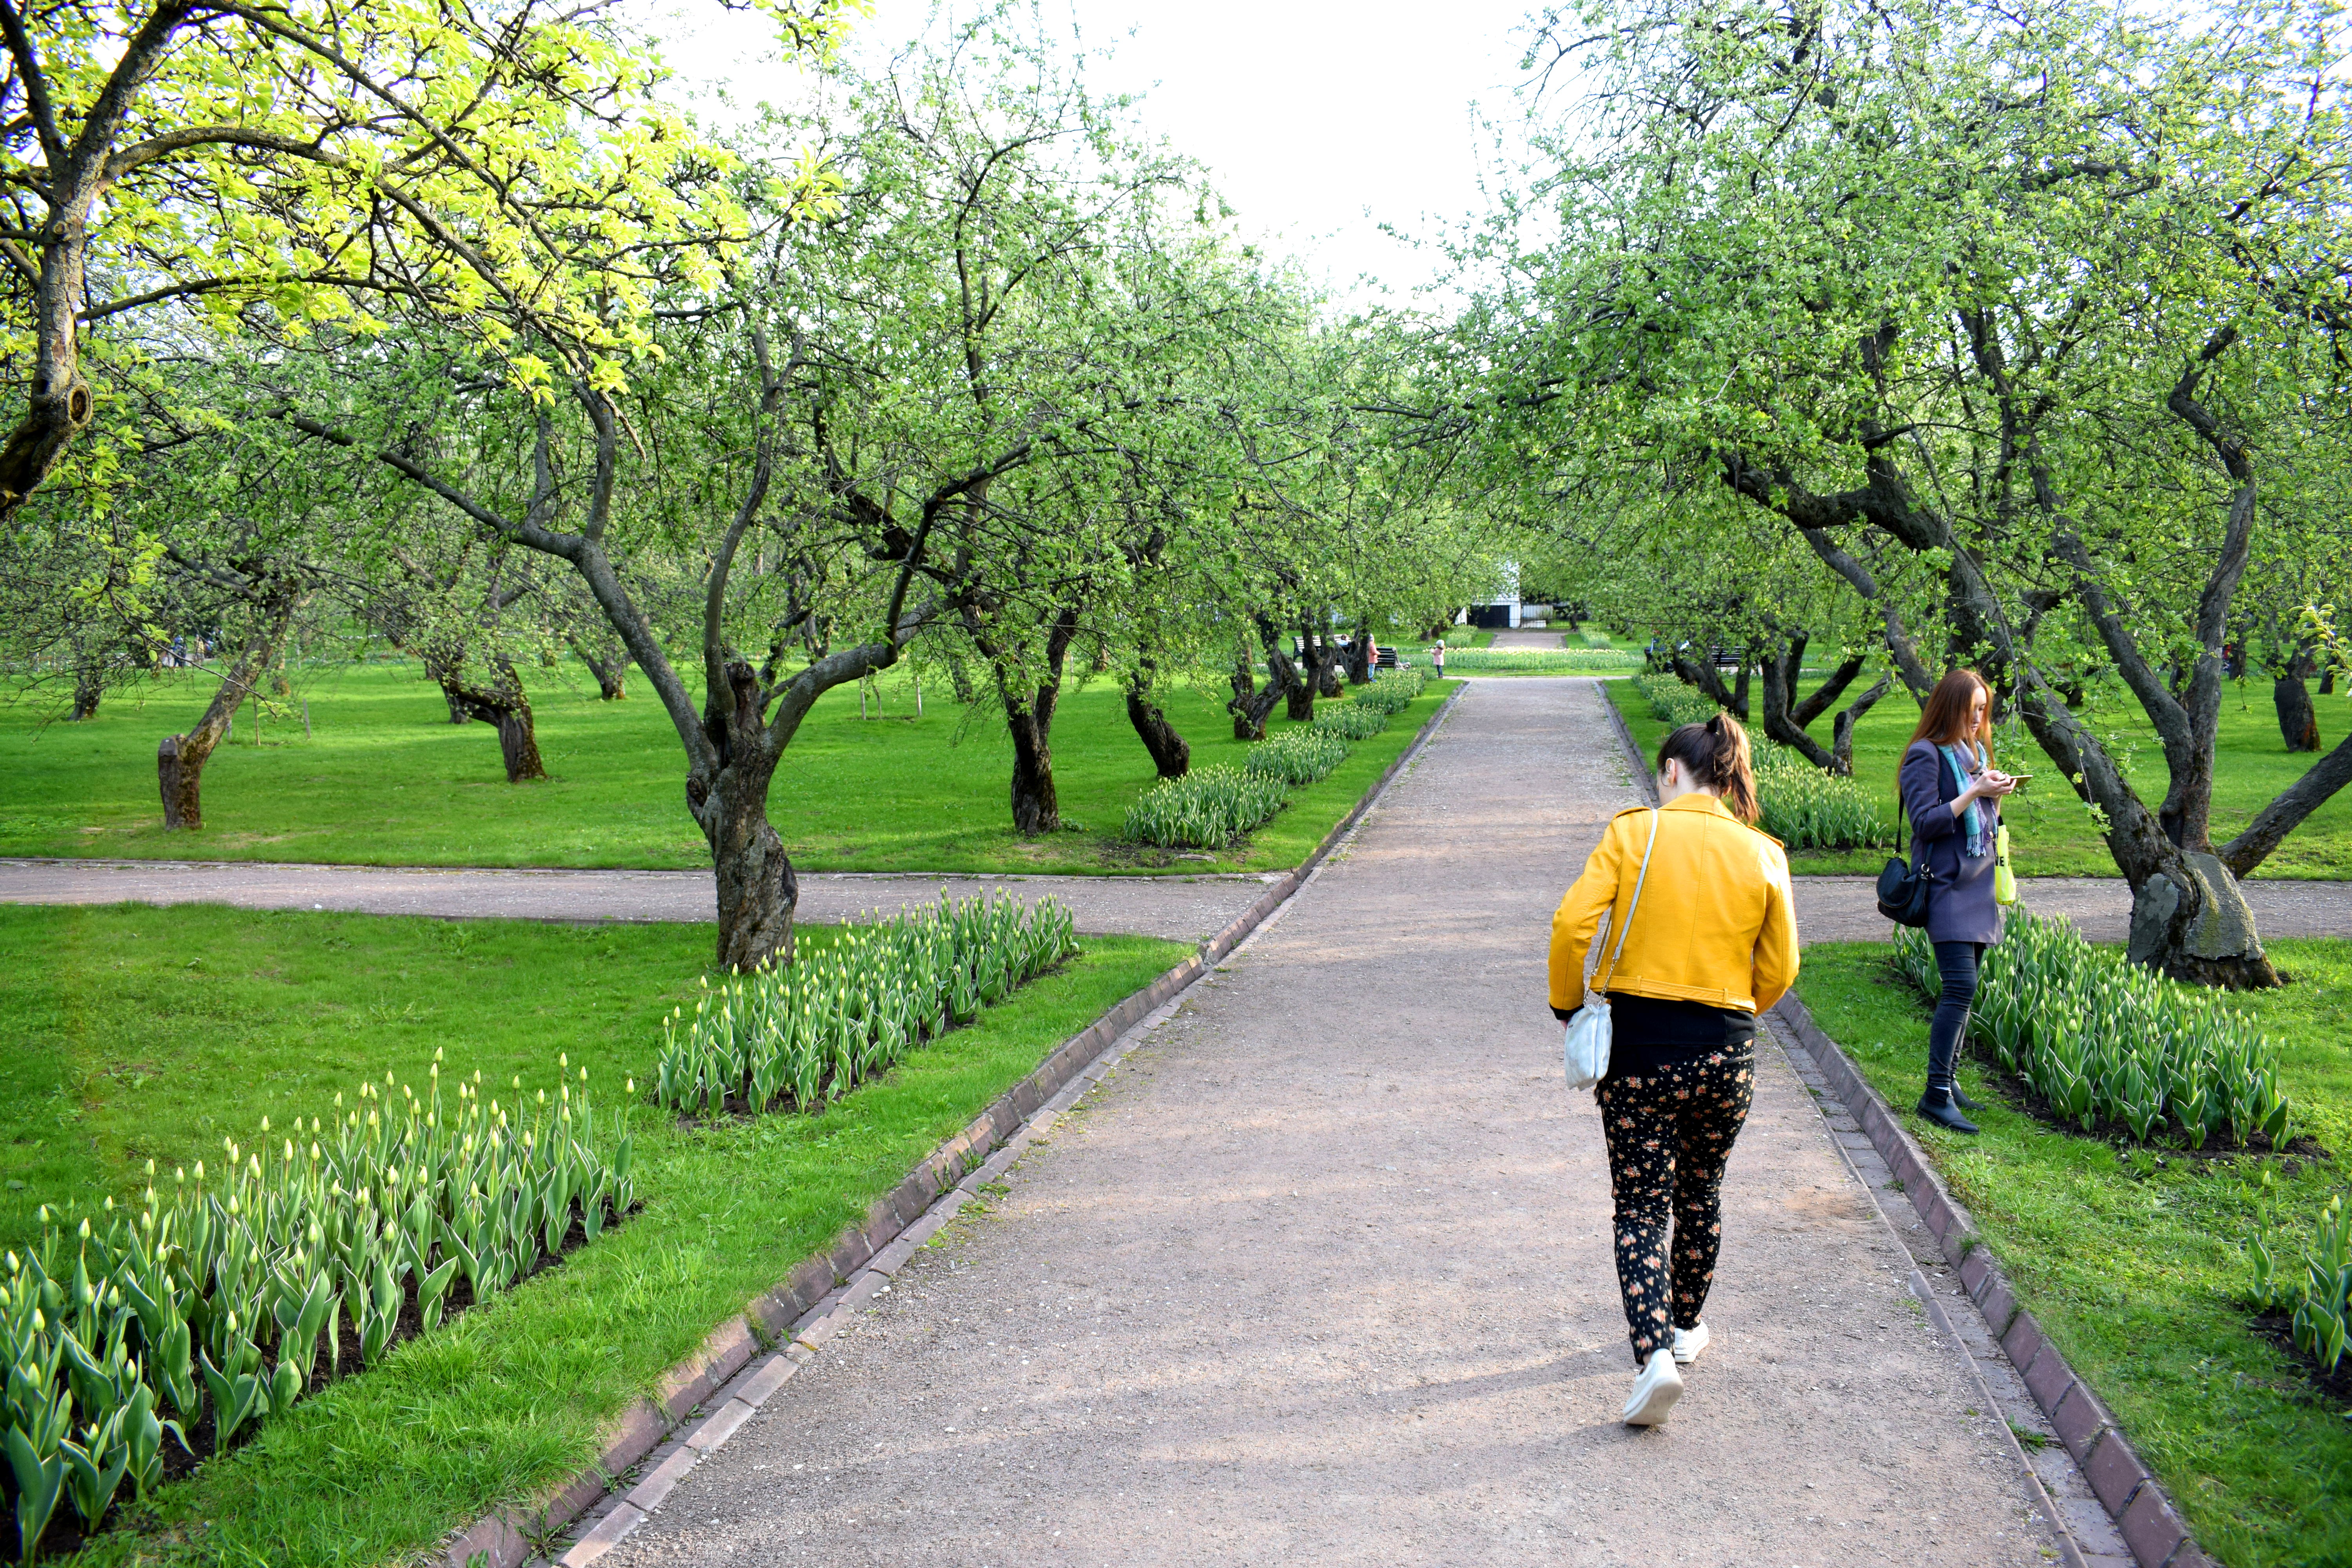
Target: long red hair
(1944,718)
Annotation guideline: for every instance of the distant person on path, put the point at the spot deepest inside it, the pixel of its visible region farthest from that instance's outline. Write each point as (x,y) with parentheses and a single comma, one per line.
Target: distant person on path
(1437,657)
(1713,943)
(1951,792)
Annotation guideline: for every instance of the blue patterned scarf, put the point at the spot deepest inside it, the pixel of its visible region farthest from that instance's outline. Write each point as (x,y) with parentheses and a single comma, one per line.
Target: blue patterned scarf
(1974,815)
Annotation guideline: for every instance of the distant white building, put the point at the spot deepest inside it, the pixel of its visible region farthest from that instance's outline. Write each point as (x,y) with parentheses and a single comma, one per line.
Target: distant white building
(1503,609)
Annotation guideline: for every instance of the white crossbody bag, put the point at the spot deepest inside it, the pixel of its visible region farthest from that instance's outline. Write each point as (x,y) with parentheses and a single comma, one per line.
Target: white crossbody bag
(1587,1047)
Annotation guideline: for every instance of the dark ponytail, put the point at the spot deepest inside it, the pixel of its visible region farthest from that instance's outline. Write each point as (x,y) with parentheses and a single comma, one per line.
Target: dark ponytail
(1715,755)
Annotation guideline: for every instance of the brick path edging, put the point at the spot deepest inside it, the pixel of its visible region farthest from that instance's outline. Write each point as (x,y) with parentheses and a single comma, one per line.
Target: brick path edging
(809,1304)
(2142,1513)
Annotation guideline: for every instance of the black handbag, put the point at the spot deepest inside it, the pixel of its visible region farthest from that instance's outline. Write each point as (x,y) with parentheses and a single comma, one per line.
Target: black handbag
(1903,893)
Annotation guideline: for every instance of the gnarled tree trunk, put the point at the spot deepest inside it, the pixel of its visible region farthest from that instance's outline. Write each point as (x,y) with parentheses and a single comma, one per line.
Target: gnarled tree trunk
(1171,757)
(1320,658)
(758,891)
(2298,720)
(88,689)
(1036,809)
(1029,717)
(1787,717)
(1250,706)
(1841,727)
(506,706)
(1702,673)
(1297,691)
(1360,654)
(180,758)
(610,666)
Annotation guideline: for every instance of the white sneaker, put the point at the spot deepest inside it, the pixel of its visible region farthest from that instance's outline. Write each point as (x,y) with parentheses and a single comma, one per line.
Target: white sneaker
(1689,1341)
(1655,1391)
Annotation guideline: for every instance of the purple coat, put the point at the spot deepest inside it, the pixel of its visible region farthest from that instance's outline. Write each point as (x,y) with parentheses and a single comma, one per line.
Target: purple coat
(1960,906)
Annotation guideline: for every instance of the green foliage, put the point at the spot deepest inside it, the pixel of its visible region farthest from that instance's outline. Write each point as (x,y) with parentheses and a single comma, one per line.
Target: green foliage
(1297,756)
(2105,1041)
(111,1320)
(812,1032)
(1674,699)
(1208,808)
(1744,315)
(1350,721)
(2318,1296)
(1806,808)
(1540,661)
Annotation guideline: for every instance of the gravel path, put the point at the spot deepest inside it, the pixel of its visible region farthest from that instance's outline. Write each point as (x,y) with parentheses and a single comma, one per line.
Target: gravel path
(1322,1274)
(1182,908)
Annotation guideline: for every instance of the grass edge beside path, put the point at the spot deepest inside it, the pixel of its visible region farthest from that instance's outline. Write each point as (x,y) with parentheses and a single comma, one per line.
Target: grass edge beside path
(2137,1269)
(511,1399)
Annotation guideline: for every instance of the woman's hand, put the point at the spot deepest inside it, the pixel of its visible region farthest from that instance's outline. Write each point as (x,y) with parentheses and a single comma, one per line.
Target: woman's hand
(1990,784)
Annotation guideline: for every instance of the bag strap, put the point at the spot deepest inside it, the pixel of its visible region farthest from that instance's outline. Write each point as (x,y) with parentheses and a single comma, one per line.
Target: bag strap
(1618,951)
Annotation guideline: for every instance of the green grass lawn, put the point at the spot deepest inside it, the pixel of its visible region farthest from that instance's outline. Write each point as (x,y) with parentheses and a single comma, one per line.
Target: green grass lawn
(2137,1265)
(2051,834)
(130,1032)
(385,779)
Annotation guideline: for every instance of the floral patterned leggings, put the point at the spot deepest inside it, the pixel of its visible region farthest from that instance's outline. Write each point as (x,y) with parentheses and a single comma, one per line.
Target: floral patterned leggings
(1670,1131)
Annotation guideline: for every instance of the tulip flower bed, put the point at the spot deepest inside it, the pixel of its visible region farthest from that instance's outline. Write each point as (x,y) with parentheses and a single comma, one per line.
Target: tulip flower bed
(1540,661)
(1208,808)
(2313,1290)
(1675,700)
(1806,808)
(1391,693)
(117,1043)
(1298,756)
(212,1302)
(812,1032)
(2103,1040)
(1351,720)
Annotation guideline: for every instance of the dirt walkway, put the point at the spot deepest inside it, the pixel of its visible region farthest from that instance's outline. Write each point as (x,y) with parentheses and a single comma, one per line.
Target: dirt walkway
(1322,1275)
(1182,908)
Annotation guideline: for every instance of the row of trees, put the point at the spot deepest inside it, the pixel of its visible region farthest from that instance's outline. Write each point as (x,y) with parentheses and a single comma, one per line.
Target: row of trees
(1912,333)
(468,342)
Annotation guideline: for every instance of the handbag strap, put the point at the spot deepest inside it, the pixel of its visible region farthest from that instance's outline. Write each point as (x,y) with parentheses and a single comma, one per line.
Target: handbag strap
(1618,951)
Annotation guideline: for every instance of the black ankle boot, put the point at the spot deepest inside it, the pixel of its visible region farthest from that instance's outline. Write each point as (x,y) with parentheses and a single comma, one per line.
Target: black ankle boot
(1937,1106)
(1960,1099)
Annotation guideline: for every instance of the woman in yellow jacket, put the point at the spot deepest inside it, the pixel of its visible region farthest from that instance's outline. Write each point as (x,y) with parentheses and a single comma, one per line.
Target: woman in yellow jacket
(1713,943)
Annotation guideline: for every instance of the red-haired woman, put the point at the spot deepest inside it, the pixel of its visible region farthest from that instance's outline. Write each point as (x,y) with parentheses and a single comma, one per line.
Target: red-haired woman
(1951,793)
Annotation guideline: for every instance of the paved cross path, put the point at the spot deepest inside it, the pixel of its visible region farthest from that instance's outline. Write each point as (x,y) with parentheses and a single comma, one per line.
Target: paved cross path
(1322,1274)
(1184,909)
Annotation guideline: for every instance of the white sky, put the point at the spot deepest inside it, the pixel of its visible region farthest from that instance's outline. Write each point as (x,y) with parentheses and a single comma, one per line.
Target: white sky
(1321,121)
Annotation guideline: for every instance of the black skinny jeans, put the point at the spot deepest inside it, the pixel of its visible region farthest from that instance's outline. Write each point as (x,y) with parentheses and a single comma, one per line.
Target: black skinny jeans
(1956,963)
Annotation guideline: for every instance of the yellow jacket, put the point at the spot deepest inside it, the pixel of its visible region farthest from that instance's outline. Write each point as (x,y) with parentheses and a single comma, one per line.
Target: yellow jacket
(1715,923)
